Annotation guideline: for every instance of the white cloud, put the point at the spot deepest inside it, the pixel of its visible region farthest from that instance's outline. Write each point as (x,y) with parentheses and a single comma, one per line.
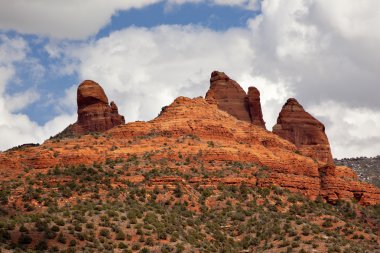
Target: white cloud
(20,100)
(328,51)
(62,19)
(296,41)
(272,95)
(292,49)
(353,131)
(12,50)
(145,69)
(246,4)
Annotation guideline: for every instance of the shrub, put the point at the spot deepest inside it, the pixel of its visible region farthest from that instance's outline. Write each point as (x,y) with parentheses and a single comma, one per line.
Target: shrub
(306,230)
(61,238)
(136,246)
(23,229)
(149,241)
(42,245)
(122,245)
(166,248)
(104,232)
(55,228)
(177,191)
(120,236)
(24,239)
(327,223)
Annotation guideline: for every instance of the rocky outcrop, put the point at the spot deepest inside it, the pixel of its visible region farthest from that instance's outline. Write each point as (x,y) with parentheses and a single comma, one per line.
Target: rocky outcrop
(306,132)
(341,182)
(254,105)
(95,114)
(230,97)
(192,134)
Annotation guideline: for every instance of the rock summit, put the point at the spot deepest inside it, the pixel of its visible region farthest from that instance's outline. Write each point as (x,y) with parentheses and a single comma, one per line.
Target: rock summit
(95,113)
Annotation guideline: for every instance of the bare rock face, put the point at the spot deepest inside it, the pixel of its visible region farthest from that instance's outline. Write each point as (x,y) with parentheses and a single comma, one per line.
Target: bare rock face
(254,106)
(230,97)
(189,126)
(341,182)
(95,114)
(306,132)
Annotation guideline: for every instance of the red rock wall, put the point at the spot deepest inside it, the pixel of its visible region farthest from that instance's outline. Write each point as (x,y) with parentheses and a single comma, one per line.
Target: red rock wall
(94,112)
(188,126)
(230,97)
(306,132)
(254,105)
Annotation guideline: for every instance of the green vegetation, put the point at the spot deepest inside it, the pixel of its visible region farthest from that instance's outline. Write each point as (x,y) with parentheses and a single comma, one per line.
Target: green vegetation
(97,209)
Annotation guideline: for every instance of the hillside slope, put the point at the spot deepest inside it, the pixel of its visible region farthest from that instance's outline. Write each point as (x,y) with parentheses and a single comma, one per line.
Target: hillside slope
(367,168)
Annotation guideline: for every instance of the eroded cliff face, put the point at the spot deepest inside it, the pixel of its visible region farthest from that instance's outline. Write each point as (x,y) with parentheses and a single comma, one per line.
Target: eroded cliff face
(95,114)
(293,124)
(230,97)
(306,132)
(192,133)
(254,105)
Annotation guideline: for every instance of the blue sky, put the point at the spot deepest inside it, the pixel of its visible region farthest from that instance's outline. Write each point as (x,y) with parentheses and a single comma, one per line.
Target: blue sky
(145,53)
(214,17)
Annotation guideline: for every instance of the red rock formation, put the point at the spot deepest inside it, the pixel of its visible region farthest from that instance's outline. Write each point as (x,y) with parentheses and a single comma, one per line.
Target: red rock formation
(342,183)
(254,106)
(94,112)
(230,97)
(193,133)
(189,126)
(306,132)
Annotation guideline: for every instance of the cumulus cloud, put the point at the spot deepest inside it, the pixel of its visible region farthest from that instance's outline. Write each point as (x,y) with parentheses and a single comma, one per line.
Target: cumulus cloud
(17,128)
(313,48)
(145,69)
(323,53)
(62,19)
(246,4)
(294,48)
(353,131)
(72,19)
(328,52)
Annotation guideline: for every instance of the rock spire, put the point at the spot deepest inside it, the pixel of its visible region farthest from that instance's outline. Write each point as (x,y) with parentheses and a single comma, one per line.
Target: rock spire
(230,97)
(95,114)
(306,132)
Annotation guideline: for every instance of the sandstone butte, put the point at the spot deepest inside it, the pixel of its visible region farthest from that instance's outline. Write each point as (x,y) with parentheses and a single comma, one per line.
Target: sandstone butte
(306,132)
(229,96)
(95,114)
(211,133)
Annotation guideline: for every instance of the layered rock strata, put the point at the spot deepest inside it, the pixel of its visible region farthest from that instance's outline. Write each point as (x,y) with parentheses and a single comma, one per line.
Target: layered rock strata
(192,133)
(306,132)
(254,105)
